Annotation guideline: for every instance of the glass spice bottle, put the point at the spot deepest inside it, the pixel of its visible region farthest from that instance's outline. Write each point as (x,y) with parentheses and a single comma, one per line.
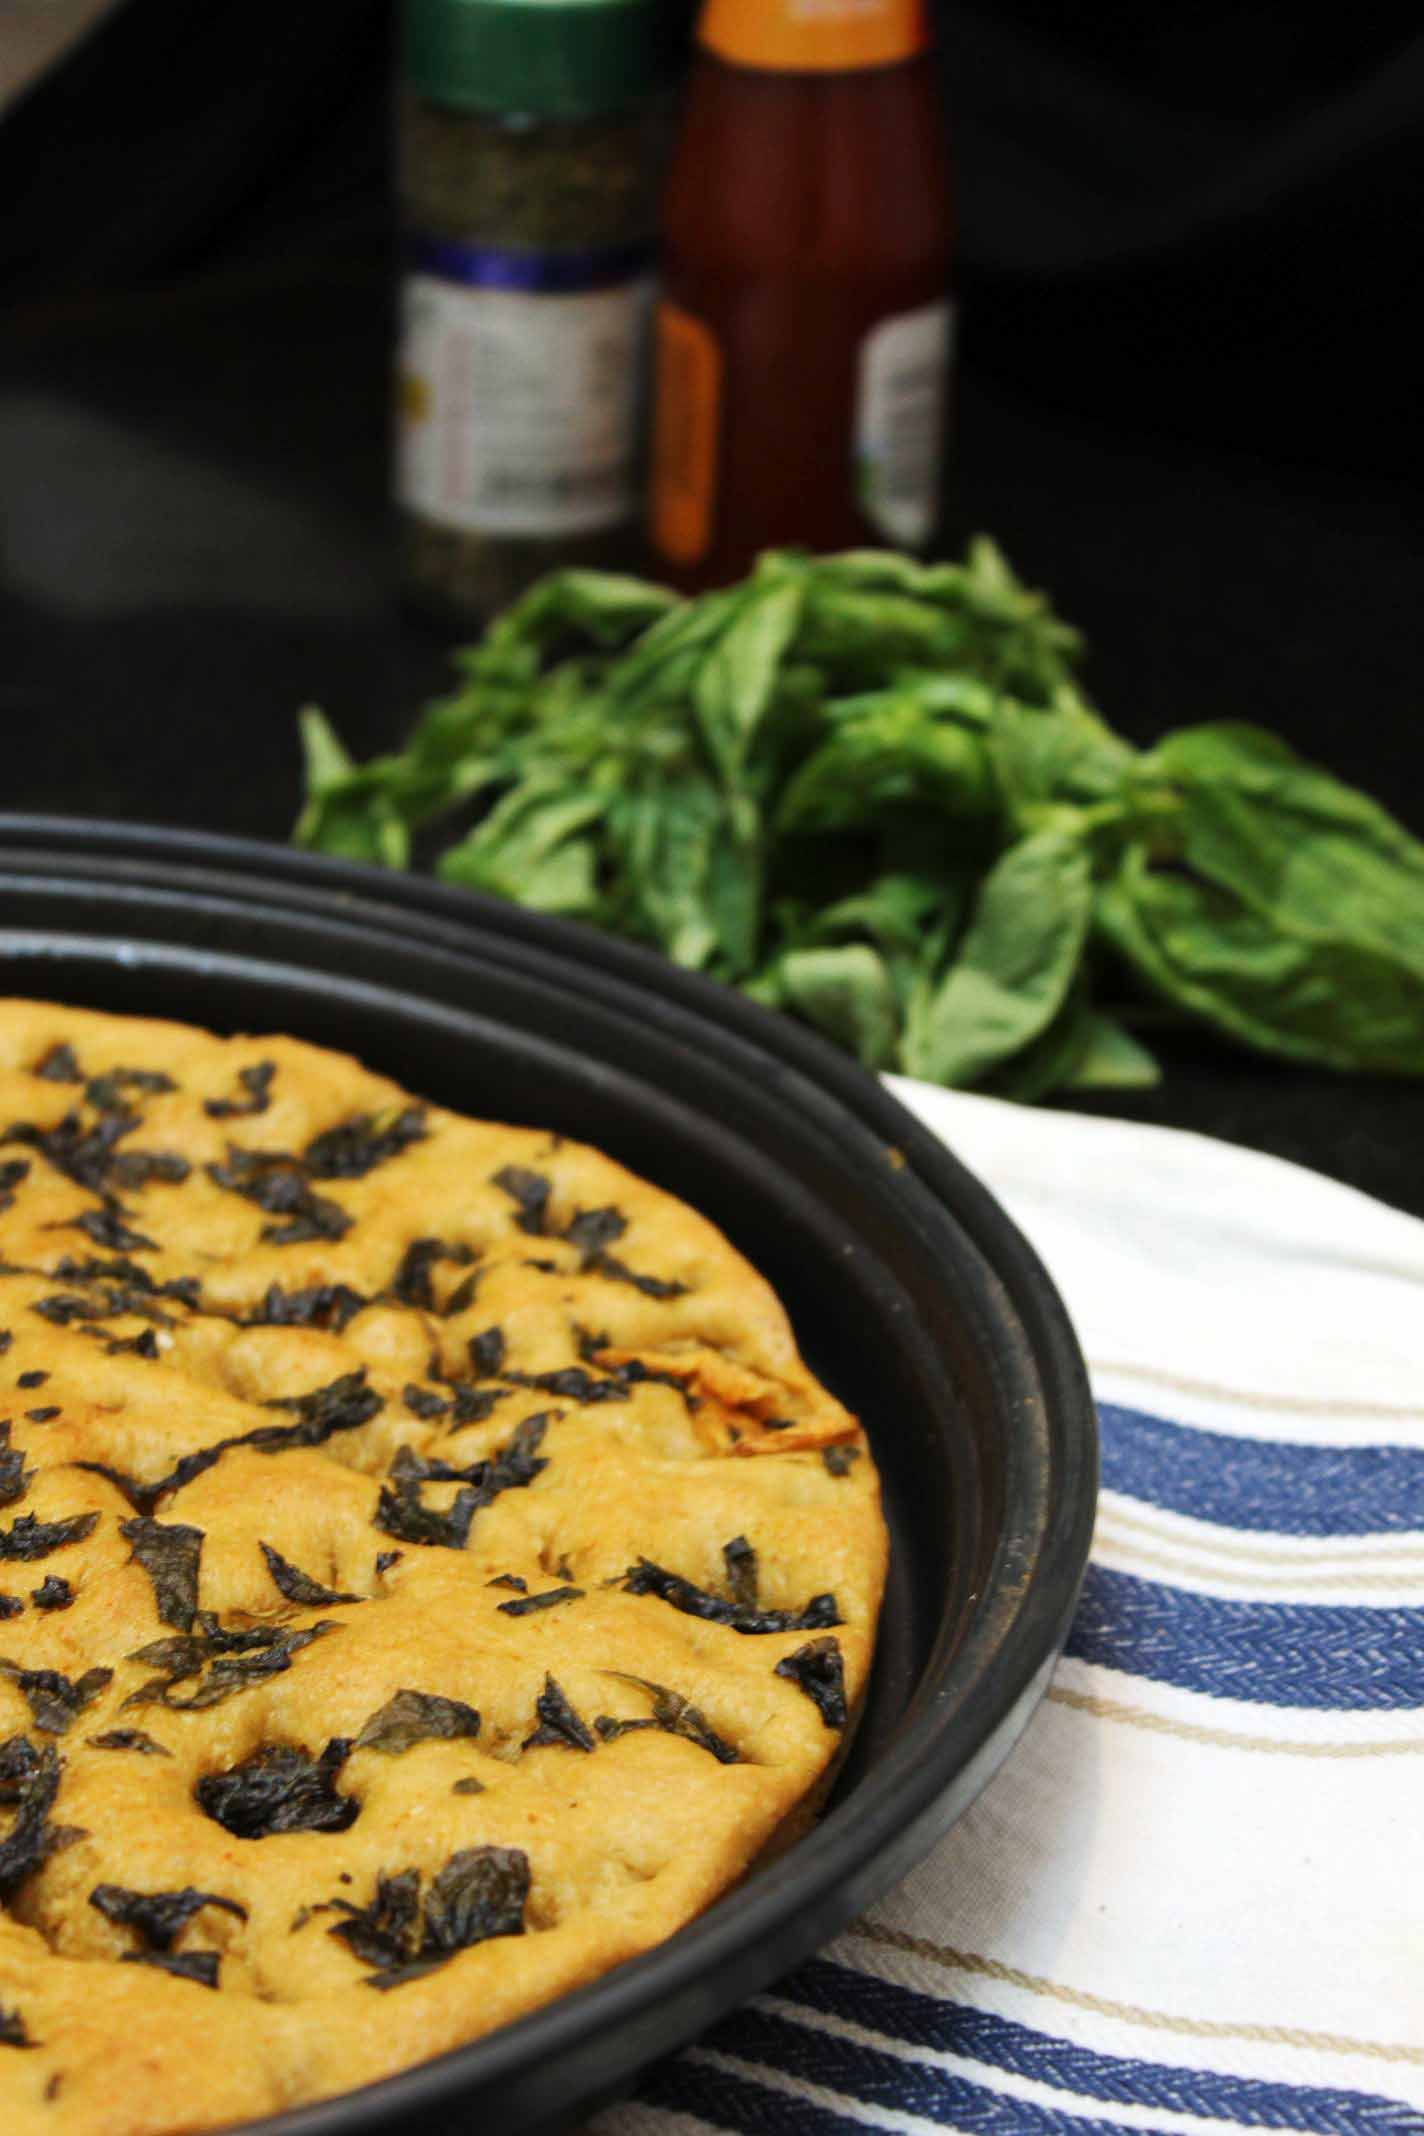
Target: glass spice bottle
(805,330)
(529,149)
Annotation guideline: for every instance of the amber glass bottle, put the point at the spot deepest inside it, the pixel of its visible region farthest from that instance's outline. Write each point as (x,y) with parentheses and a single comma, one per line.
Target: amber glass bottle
(804,334)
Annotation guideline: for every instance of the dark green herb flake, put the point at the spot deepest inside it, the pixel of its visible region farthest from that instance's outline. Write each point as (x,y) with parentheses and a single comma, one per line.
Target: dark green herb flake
(558,1722)
(255,1082)
(480,1893)
(299,1586)
(417,1717)
(170,1555)
(819,1670)
(358,1145)
(280,1788)
(28,1537)
(529,1605)
(646,1578)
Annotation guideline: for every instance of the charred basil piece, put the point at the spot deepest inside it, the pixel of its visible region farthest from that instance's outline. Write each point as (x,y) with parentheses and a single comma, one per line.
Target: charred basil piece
(132,1169)
(11,1173)
(10,1606)
(157,1918)
(558,1722)
(29,1782)
(511,1580)
(81,1152)
(169,1554)
(344,1404)
(224,1662)
(280,1788)
(742,1571)
(297,1585)
(108,1227)
(53,1698)
(571,1383)
(673,1715)
(14,1476)
(551,1597)
(616,1271)
(319,1305)
(42,1416)
(530,1191)
(838,1460)
(255,1083)
(468,1786)
(52,1593)
(27,1537)
(198,1966)
(128,1739)
(385,1933)
(59,1065)
(31,1379)
(278,1185)
(424,1402)
(411,1284)
(12,2029)
(480,1893)
(358,1145)
(487,1352)
(476,1405)
(646,1578)
(819,1670)
(399,1512)
(592,1231)
(111,1091)
(417,1717)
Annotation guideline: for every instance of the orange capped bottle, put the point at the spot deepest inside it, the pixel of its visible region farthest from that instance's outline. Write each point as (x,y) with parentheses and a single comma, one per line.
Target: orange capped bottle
(804,334)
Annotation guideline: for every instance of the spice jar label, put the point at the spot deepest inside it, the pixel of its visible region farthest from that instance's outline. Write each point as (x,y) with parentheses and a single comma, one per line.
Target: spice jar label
(519,386)
(901,390)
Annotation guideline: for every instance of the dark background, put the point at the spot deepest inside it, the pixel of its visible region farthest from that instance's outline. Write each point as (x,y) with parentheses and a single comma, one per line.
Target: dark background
(1188,403)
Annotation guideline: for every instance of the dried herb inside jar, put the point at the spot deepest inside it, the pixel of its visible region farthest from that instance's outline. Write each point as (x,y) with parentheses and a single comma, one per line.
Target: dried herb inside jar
(530,140)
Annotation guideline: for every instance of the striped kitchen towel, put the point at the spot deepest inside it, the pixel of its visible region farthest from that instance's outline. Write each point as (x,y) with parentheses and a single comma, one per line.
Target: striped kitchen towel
(1193,1900)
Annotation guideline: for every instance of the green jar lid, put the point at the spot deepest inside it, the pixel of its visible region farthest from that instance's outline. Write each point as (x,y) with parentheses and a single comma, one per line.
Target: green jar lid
(550,59)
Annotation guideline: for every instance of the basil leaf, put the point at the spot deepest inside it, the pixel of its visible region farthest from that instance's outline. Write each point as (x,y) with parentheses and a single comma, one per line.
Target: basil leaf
(1310,994)
(891,749)
(526,849)
(736,681)
(1302,850)
(1111,1058)
(1015,964)
(847,993)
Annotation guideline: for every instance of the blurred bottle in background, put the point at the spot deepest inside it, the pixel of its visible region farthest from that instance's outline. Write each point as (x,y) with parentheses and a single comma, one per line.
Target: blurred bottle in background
(803,340)
(529,159)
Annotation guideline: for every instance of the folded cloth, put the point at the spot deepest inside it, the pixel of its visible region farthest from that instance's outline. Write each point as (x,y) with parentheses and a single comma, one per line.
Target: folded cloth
(1193,1900)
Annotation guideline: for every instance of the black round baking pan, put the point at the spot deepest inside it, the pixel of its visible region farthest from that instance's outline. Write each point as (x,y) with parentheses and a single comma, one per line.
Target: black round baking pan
(912,1295)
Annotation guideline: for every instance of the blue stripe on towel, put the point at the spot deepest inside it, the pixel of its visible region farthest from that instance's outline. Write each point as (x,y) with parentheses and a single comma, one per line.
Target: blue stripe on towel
(1323,1656)
(1271,1485)
(918,2020)
(863,2074)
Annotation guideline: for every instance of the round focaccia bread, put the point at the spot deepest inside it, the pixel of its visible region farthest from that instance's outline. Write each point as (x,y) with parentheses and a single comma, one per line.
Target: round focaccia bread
(428,1574)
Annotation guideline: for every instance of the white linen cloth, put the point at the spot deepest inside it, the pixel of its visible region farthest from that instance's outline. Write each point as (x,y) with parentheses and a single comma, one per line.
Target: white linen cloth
(1193,1899)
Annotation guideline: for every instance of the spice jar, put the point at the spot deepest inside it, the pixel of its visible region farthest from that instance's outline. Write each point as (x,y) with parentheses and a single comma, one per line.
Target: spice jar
(529,142)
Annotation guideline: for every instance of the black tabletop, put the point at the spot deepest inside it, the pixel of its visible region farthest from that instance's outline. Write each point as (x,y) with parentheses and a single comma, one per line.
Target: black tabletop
(193,477)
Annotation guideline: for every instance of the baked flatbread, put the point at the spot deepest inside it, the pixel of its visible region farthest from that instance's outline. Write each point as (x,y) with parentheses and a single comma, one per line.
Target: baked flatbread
(428,1574)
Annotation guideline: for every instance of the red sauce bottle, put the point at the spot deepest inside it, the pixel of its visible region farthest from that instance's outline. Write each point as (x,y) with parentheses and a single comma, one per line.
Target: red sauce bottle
(804,335)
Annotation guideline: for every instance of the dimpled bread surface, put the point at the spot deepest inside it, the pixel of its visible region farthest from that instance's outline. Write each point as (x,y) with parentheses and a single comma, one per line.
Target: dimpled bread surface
(428,1574)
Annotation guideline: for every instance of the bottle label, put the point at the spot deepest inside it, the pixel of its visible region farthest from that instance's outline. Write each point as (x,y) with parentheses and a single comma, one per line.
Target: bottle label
(687,421)
(519,385)
(814,36)
(901,390)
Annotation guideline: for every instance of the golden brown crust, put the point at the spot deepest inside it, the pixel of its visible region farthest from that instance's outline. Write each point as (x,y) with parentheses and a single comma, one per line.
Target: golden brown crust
(311,1391)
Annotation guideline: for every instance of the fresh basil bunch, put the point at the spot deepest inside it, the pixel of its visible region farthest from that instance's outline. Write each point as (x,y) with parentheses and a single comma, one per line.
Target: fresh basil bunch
(869,791)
